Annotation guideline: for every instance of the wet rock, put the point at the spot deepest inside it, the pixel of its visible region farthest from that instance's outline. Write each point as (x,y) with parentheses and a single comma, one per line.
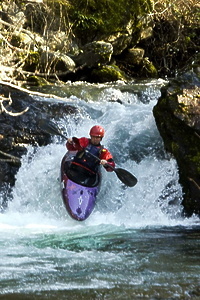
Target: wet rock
(19,131)
(108,74)
(177,116)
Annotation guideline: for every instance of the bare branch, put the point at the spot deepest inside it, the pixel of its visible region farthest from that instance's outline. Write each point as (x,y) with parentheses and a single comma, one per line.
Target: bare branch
(10,158)
(195,183)
(9,45)
(3,109)
(30,92)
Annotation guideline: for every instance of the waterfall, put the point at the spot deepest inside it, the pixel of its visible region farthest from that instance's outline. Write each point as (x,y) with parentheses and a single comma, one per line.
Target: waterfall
(133,139)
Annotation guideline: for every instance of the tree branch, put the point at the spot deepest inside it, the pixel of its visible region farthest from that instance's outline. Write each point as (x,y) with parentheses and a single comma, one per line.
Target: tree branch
(29,92)
(11,159)
(3,109)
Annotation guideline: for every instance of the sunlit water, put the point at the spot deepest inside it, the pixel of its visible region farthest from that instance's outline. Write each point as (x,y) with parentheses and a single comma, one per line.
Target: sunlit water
(135,244)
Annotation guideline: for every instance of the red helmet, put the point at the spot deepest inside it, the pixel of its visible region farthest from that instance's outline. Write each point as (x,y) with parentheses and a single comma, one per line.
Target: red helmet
(97,131)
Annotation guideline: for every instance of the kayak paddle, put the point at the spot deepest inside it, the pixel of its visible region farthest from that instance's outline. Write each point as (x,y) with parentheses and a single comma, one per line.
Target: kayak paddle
(50,127)
(126,177)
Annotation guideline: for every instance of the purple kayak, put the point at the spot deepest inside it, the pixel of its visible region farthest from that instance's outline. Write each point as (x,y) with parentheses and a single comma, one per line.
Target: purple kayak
(79,188)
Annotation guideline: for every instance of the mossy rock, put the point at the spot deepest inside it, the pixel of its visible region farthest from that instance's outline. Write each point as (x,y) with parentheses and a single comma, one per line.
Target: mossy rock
(96,18)
(95,54)
(148,69)
(31,61)
(177,118)
(108,74)
(133,56)
(56,62)
(37,81)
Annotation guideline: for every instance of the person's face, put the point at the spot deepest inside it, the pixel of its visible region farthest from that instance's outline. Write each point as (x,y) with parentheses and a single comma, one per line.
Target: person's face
(95,140)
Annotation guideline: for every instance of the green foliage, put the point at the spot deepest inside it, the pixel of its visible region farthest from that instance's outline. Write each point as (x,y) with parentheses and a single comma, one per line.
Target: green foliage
(84,22)
(106,16)
(195,159)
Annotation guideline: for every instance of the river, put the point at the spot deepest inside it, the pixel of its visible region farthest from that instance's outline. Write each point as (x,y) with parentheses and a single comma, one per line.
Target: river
(135,244)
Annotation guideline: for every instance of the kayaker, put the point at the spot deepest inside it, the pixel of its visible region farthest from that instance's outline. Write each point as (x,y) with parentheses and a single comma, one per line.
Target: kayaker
(84,146)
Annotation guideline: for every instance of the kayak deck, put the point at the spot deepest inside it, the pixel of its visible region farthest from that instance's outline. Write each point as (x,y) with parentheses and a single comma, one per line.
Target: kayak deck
(79,191)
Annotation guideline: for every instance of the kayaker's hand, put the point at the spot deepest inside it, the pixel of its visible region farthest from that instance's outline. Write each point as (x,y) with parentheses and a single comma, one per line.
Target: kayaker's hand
(70,141)
(103,162)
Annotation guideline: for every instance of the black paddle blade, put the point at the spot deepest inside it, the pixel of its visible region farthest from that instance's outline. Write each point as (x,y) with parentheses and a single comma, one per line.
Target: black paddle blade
(126,177)
(50,127)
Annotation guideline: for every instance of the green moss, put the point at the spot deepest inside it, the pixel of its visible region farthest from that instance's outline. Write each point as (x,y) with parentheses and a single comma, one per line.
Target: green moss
(32,61)
(108,74)
(149,69)
(91,17)
(182,142)
(174,148)
(187,39)
(194,158)
(37,81)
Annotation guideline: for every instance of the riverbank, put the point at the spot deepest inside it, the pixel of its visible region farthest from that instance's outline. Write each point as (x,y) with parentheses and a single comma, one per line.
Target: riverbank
(44,42)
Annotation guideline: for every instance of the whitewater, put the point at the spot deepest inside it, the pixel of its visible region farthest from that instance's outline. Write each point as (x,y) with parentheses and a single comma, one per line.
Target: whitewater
(135,245)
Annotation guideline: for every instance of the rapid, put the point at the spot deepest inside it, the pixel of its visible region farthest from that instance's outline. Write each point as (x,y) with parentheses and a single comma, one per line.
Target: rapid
(136,243)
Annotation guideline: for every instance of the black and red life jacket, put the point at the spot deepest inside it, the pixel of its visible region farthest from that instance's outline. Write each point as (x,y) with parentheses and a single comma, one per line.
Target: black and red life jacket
(87,161)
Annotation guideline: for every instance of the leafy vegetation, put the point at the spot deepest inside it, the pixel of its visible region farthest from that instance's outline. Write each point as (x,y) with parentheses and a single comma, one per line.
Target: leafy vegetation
(175,23)
(106,17)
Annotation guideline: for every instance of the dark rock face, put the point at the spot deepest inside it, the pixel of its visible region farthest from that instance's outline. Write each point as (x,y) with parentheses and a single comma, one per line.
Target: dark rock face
(177,115)
(19,131)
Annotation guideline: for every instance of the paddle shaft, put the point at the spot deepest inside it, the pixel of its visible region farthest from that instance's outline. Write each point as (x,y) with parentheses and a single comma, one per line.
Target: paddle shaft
(126,177)
(99,159)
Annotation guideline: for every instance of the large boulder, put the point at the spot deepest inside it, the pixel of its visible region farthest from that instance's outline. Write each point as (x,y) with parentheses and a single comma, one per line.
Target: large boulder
(108,74)
(56,62)
(177,116)
(94,54)
(20,120)
(119,41)
(133,56)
